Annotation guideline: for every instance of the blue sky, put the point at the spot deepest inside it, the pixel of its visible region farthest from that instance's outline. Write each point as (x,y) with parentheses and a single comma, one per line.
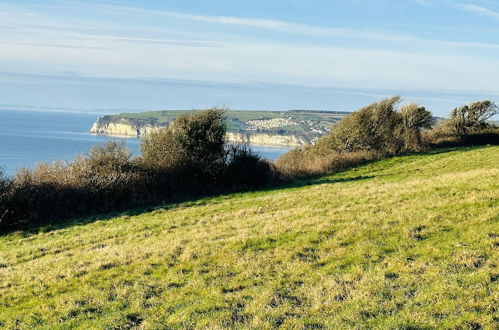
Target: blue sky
(105,56)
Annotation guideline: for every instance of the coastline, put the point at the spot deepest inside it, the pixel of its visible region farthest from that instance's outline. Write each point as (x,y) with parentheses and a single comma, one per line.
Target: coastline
(251,139)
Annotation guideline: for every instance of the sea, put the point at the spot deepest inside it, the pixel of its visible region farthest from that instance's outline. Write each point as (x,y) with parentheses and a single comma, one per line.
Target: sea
(31,137)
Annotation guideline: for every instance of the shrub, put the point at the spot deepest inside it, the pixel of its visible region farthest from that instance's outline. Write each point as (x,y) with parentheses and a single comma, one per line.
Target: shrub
(472,118)
(111,157)
(104,180)
(444,136)
(308,161)
(188,158)
(193,144)
(467,125)
(373,131)
(379,127)
(5,186)
(247,170)
(414,119)
(441,134)
(371,128)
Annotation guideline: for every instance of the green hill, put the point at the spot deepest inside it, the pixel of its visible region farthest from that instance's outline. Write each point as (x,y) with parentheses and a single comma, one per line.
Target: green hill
(303,126)
(301,119)
(407,242)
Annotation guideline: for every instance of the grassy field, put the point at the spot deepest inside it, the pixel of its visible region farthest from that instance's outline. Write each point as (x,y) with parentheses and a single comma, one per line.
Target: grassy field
(408,242)
(244,115)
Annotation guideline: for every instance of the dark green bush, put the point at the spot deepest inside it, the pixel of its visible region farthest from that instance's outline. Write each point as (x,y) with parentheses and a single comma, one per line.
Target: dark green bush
(5,188)
(188,156)
(193,142)
(247,170)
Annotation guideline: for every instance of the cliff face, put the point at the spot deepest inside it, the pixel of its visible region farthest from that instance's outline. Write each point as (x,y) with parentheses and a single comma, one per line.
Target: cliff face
(125,128)
(121,128)
(266,139)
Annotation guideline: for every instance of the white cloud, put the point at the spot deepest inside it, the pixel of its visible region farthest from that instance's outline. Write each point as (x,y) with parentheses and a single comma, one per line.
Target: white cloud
(478,10)
(300,28)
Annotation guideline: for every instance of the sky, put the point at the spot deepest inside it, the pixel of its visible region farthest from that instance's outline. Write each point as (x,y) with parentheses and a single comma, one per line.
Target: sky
(109,56)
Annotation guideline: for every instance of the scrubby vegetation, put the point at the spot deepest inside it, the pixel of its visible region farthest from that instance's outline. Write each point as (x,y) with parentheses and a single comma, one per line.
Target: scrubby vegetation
(190,157)
(466,125)
(380,127)
(408,242)
(386,129)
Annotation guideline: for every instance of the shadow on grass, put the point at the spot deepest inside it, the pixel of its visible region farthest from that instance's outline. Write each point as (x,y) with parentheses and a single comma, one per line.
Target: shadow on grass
(191,201)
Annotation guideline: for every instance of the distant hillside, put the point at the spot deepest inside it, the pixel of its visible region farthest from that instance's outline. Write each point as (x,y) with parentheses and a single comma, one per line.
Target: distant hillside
(284,128)
(404,243)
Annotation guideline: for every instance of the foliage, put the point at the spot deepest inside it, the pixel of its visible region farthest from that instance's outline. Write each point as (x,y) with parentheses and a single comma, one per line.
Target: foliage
(193,143)
(466,125)
(5,187)
(111,157)
(379,127)
(246,170)
(382,129)
(307,161)
(104,180)
(373,132)
(414,119)
(189,158)
(472,117)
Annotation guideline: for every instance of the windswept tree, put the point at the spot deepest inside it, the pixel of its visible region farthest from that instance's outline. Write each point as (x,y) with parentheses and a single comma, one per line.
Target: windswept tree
(371,128)
(415,118)
(380,127)
(472,117)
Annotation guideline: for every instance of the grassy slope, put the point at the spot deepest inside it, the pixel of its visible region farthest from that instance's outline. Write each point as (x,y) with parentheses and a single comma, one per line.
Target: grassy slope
(408,241)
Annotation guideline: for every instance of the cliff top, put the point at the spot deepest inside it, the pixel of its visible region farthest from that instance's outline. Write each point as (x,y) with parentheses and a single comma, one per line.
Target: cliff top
(304,123)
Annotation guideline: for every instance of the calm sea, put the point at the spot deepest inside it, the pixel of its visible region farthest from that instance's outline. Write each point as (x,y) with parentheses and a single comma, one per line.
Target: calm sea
(27,138)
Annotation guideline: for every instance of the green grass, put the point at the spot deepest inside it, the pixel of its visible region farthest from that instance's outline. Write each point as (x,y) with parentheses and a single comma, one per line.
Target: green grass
(169,115)
(407,242)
